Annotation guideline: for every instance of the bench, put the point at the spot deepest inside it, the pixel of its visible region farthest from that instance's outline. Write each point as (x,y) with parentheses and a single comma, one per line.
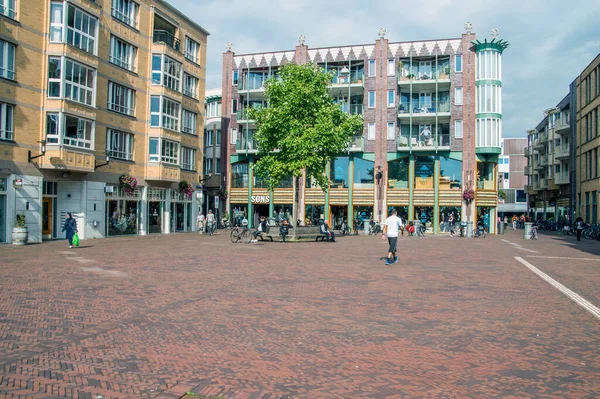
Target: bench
(300,232)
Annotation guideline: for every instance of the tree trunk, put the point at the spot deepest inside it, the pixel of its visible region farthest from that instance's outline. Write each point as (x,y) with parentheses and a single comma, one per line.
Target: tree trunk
(296,201)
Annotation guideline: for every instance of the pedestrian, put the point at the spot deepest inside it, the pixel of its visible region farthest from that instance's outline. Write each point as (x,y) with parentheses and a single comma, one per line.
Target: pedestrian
(451,222)
(505,222)
(200,222)
(210,222)
(514,222)
(262,228)
(70,228)
(328,232)
(283,230)
(391,226)
(579,227)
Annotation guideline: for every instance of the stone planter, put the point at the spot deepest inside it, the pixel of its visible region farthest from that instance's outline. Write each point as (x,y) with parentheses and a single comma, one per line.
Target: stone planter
(19,235)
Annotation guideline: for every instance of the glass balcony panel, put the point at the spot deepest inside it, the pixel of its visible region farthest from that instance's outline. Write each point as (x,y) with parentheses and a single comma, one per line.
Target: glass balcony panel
(163,36)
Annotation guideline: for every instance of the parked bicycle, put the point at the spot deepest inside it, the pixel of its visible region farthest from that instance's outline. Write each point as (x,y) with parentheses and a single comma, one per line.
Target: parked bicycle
(479,232)
(241,233)
(375,228)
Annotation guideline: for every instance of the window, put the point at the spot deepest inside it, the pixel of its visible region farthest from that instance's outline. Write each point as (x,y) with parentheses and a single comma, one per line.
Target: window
(208,138)
(391,98)
(458,63)
(188,158)
(391,67)
(208,165)
(6,121)
(166,71)
(218,137)
(164,113)
(169,151)
(76,81)
(7,60)
(371,99)
(125,11)
(7,7)
(190,85)
(120,99)
(56,22)
(506,176)
(81,29)
(218,165)
(235,77)
(189,122)
(458,129)
(371,68)
(234,106)
(119,144)
(192,50)
(458,96)
(233,136)
(391,131)
(371,131)
(77,132)
(213,109)
(122,54)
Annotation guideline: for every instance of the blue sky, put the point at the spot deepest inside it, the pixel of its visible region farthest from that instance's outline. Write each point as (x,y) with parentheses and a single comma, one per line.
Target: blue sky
(550,43)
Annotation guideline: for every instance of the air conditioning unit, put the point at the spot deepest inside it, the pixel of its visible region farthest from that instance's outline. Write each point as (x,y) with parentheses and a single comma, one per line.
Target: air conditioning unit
(108,189)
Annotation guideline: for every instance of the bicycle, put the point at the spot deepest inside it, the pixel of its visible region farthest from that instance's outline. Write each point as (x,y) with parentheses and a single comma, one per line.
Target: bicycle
(375,229)
(533,234)
(479,232)
(241,233)
(345,229)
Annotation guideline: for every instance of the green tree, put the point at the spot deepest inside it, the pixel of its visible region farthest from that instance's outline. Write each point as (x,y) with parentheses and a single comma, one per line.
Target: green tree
(302,128)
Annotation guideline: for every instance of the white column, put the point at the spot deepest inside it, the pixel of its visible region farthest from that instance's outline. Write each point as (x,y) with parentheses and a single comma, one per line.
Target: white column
(167,214)
(143,212)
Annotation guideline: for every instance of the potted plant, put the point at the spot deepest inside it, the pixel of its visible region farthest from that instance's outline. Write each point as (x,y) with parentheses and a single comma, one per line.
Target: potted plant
(128,184)
(410,76)
(469,195)
(186,188)
(20,232)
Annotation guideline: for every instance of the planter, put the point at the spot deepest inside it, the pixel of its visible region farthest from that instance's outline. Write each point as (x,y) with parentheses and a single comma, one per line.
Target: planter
(19,235)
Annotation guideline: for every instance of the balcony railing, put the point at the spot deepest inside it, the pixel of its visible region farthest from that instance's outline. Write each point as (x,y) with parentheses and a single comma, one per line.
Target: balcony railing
(561,126)
(561,178)
(355,109)
(562,151)
(353,79)
(357,144)
(244,144)
(528,170)
(163,36)
(526,151)
(422,109)
(420,143)
(543,183)
(416,74)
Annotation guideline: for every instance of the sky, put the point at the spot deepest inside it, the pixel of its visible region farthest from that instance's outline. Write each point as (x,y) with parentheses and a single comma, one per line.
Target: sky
(551,41)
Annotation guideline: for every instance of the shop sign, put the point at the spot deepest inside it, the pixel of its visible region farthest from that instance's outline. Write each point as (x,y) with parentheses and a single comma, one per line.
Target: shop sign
(261,199)
(18,183)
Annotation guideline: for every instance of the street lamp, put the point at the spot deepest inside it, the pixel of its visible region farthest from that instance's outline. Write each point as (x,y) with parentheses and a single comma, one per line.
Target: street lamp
(42,148)
(107,158)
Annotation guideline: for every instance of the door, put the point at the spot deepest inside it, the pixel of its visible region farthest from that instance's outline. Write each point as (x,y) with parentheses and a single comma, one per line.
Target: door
(425,69)
(47,217)
(425,100)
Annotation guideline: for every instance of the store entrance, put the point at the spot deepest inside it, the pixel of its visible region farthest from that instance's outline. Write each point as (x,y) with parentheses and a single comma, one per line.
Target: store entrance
(337,215)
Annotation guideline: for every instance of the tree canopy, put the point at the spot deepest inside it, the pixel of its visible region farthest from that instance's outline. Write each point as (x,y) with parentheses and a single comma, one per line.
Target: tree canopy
(302,128)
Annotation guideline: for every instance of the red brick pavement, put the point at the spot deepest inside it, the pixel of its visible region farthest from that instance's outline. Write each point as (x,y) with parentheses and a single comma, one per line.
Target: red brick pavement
(159,316)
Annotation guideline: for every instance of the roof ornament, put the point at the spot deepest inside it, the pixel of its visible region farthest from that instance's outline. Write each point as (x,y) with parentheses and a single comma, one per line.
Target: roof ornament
(382,33)
(468,28)
(495,32)
(229,47)
(301,39)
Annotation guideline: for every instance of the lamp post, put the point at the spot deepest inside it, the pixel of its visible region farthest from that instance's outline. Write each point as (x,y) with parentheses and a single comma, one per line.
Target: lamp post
(107,159)
(42,148)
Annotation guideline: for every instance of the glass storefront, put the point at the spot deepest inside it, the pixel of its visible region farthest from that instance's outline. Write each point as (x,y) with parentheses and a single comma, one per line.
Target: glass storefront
(424,214)
(450,173)
(314,214)
(364,172)
(122,212)
(339,172)
(181,212)
(398,173)
(239,175)
(156,205)
(424,171)
(402,212)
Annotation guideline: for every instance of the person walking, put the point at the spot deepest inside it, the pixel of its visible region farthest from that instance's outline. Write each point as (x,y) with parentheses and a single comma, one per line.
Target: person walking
(451,223)
(505,222)
(391,226)
(514,222)
(200,222)
(579,227)
(70,228)
(210,222)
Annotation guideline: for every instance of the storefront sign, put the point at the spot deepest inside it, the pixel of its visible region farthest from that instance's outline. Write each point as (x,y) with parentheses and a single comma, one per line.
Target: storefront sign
(260,199)
(216,202)
(18,183)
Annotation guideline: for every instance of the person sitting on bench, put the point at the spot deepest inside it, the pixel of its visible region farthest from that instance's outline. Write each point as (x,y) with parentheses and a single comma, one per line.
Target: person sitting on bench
(262,228)
(329,233)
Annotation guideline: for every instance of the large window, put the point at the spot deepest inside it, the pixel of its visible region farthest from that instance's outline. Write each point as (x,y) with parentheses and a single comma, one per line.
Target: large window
(339,173)
(192,50)
(69,130)
(458,96)
(213,110)
(189,122)
(188,158)
(371,131)
(6,121)
(122,53)
(120,99)
(391,98)
(7,60)
(450,173)
(161,150)
(458,129)
(364,172)
(7,7)
(239,175)
(190,85)
(126,11)
(398,173)
(391,131)
(166,71)
(81,27)
(74,82)
(119,144)
(391,67)
(164,113)
(424,172)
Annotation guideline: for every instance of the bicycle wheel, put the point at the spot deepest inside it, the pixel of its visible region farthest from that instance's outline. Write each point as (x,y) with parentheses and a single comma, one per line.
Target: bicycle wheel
(234,235)
(246,236)
(475,233)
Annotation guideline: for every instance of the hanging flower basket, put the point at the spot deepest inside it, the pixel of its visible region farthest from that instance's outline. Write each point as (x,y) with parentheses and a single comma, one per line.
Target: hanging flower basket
(469,195)
(223,194)
(128,184)
(186,188)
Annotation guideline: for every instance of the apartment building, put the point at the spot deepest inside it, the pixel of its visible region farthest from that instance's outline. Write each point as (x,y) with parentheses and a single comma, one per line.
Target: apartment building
(93,94)
(212,152)
(586,93)
(549,153)
(433,123)
(512,164)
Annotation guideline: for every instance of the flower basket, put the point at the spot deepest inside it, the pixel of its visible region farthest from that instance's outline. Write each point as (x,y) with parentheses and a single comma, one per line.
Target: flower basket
(128,184)
(469,195)
(186,188)
(223,194)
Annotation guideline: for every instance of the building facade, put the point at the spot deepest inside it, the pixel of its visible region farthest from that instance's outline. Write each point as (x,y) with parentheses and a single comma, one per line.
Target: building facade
(512,199)
(93,94)
(432,130)
(212,153)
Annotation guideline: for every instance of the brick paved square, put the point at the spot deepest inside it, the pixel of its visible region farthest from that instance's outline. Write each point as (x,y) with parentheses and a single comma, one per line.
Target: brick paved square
(159,316)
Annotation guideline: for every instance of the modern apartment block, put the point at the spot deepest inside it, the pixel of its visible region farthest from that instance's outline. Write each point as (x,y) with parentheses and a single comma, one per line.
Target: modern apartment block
(586,93)
(433,123)
(90,91)
(212,152)
(512,199)
(548,170)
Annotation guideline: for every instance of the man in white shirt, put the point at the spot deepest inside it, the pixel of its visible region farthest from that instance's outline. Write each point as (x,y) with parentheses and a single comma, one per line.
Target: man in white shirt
(391,227)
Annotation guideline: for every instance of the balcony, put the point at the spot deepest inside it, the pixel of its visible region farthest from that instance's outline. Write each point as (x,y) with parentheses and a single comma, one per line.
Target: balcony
(357,144)
(527,151)
(538,165)
(246,145)
(348,80)
(419,143)
(424,110)
(543,184)
(562,127)
(163,172)
(425,77)
(562,152)
(561,178)
(355,109)
(242,117)
(166,37)
(528,170)
(66,158)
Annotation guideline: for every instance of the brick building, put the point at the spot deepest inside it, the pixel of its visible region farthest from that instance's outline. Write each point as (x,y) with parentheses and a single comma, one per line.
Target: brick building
(433,123)
(99,89)
(511,178)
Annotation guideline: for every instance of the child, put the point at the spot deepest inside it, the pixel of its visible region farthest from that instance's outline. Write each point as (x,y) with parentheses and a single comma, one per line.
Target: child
(283,229)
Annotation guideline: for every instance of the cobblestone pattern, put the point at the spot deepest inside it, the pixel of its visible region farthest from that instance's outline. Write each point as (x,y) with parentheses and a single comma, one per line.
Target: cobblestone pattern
(159,316)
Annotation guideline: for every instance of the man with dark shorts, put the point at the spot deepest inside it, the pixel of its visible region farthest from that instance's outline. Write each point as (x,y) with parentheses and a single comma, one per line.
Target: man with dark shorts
(391,226)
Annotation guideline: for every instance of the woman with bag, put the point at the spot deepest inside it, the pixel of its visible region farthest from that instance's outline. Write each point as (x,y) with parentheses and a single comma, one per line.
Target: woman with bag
(70,228)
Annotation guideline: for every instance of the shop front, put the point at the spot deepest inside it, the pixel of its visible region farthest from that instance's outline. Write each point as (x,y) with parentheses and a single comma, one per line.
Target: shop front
(122,211)
(157,200)
(181,212)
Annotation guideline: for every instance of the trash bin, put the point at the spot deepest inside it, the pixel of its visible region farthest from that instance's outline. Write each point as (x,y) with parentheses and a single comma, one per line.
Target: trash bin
(470,229)
(501,228)
(527,231)
(417,224)
(366,226)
